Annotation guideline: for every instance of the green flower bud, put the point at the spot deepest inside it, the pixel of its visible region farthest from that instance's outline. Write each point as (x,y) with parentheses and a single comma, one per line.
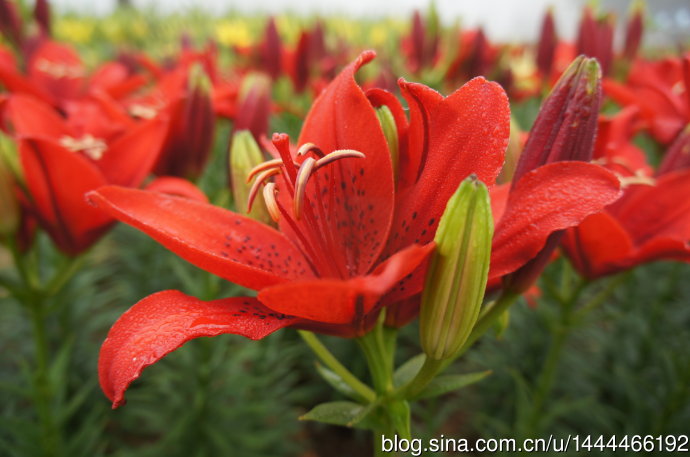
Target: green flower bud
(390,131)
(457,276)
(9,206)
(244,156)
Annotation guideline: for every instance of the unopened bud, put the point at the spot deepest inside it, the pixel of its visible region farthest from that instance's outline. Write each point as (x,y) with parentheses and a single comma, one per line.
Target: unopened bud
(566,125)
(456,280)
(546,50)
(390,131)
(565,129)
(633,31)
(254,104)
(42,16)
(11,23)
(244,156)
(9,207)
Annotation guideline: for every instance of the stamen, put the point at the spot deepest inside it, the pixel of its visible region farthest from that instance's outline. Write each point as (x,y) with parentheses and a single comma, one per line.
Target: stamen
(274,163)
(631,180)
(259,181)
(270,199)
(301,186)
(88,144)
(143,111)
(309,147)
(337,155)
(59,69)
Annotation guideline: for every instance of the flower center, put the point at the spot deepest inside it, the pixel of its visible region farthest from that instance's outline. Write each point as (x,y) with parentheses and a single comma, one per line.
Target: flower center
(93,147)
(307,216)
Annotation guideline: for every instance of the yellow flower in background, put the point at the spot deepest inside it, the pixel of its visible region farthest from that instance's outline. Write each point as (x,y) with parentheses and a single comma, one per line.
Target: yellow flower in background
(74,30)
(233,33)
(378,35)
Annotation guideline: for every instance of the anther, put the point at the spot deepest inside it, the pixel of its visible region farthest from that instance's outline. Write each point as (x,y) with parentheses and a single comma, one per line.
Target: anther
(309,147)
(88,144)
(339,154)
(274,163)
(302,177)
(259,181)
(270,199)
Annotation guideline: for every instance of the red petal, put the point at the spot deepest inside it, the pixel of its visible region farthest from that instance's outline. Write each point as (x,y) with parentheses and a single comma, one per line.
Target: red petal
(31,117)
(57,68)
(552,197)
(226,244)
(57,180)
(649,212)
(335,301)
(342,118)
(598,246)
(130,158)
(162,322)
(16,83)
(450,138)
(177,186)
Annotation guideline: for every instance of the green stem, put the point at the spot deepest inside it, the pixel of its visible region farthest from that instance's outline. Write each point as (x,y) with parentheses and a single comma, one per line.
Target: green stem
(549,369)
(334,365)
(64,274)
(426,374)
(488,318)
(41,383)
(378,361)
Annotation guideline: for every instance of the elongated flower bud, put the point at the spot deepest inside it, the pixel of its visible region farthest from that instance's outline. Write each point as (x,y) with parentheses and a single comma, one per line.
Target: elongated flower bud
(565,128)
(633,31)
(456,280)
(42,16)
(192,126)
(390,131)
(11,23)
(546,49)
(9,207)
(244,156)
(254,104)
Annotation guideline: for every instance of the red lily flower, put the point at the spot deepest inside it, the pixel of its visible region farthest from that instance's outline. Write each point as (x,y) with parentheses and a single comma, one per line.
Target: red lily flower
(648,223)
(59,166)
(661,91)
(544,198)
(346,238)
(56,75)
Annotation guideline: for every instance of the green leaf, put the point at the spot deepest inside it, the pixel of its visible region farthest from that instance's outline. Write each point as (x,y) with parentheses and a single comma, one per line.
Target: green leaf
(345,413)
(447,383)
(408,370)
(335,381)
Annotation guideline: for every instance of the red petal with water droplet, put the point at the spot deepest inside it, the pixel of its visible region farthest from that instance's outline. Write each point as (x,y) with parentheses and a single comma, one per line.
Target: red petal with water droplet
(552,197)
(162,322)
(449,139)
(361,189)
(226,244)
